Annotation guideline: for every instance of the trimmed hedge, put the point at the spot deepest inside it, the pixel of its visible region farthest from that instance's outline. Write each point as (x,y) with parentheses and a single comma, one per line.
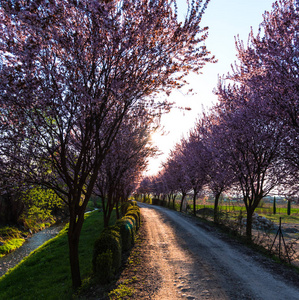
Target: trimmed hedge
(109,240)
(113,241)
(134,211)
(104,266)
(126,227)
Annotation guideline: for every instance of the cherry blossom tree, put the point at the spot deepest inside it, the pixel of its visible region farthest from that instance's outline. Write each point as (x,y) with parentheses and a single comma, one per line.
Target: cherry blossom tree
(144,187)
(177,172)
(172,188)
(218,175)
(269,66)
(124,164)
(195,164)
(252,144)
(71,72)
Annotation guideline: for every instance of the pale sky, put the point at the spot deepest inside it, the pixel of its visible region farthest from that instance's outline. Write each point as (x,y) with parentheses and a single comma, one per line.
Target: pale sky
(225,19)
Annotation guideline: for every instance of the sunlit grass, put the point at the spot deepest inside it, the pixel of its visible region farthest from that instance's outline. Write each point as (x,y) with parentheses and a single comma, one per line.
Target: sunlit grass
(45,274)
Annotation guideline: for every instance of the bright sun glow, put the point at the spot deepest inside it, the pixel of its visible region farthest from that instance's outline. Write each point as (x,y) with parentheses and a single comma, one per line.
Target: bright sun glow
(226,19)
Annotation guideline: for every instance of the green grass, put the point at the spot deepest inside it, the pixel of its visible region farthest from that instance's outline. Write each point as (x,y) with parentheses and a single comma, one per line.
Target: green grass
(267,211)
(45,274)
(284,218)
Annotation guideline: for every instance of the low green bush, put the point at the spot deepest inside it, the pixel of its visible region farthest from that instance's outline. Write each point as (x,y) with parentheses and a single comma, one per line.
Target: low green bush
(104,267)
(127,232)
(109,240)
(115,240)
(124,207)
(134,212)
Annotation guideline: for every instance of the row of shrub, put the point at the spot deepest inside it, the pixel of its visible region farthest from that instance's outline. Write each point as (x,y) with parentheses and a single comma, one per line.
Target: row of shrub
(114,241)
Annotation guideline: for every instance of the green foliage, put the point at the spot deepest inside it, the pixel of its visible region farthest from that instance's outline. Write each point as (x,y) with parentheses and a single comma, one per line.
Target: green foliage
(11,245)
(261,203)
(121,292)
(134,211)
(124,207)
(104,266)
(127,231)
(134,203)
(116,239)
(39,203)
(94,202)
(10,232)
(109,240)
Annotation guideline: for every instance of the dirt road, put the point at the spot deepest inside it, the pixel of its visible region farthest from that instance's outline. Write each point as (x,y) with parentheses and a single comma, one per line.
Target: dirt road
(197,262)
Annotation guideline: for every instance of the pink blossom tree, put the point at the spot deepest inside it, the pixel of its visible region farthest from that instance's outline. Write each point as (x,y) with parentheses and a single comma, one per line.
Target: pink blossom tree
(171,183)
(195,164)
(218,175)
(71,72)
(269,66)
(177,172)
(123,164)
(252,144)
(144,187)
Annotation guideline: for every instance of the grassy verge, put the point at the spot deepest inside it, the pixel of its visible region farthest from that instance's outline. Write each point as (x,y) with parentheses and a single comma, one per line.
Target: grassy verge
(45,274)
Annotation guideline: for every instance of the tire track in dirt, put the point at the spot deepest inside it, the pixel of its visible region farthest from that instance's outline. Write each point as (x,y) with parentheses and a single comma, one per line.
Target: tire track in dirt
(180,279)
(196,264)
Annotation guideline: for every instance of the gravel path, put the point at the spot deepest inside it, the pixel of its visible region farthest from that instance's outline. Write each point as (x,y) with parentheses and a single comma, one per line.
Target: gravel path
(196,262)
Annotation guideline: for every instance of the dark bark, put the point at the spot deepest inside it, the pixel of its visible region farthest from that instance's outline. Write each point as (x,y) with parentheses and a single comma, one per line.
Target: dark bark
(183,197)
(73,241)
(251,205)
(216,203)
(194,202)
(75,226)
(117,208)
(173,201)
(249,224)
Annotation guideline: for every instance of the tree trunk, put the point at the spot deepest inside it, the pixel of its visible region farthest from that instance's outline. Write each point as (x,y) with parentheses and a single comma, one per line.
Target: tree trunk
(173,202)
(105,211)
(183,197)
(194,203)
(249,223)
(109,208)
(75,226)
(117,208)
(217,196)
(73,241)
